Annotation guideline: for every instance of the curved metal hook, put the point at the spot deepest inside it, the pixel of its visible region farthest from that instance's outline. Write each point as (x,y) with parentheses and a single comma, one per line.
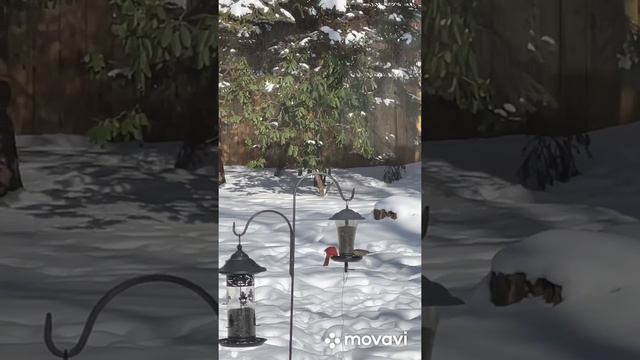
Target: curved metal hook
(93,316)
(246,226)
(353,190)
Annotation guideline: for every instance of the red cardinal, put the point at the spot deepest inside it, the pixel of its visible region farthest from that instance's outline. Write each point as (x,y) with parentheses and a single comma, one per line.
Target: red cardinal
(330,251)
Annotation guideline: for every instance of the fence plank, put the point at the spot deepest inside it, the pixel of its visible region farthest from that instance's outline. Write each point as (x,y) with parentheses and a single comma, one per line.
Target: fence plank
(20,69)
(549,30)
(73,48)
(100,94)
(606,32)
(574,64)
(4,37)
(46,70)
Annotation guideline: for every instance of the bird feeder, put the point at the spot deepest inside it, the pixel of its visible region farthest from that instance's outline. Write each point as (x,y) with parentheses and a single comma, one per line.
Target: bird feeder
(346,224)
(241,329)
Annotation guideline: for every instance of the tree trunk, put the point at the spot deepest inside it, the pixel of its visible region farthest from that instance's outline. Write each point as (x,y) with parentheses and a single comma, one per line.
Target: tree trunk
(10,179)
(200,110)
(319,182)
(221,178)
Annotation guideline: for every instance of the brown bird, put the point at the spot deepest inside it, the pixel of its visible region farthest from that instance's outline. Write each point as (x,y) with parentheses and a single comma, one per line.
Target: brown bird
(361,252)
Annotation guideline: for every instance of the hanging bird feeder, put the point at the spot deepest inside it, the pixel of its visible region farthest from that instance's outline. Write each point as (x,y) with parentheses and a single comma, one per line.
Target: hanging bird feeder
(241,329)
(346,224)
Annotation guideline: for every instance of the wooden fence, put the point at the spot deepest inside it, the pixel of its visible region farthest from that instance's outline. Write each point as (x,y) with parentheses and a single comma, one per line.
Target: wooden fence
(43,50)
(580,41)
(397,120)
(584,75)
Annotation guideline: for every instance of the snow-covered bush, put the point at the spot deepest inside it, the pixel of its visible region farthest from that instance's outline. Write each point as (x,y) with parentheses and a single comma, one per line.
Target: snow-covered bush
(630,55)
(168,61)
(451,63)
(304,75)
(548,159)
(393,173)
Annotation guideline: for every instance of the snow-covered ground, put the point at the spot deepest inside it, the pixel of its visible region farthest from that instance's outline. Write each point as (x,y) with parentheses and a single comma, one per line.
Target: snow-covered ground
(382,292)
(478,211)
(90,218)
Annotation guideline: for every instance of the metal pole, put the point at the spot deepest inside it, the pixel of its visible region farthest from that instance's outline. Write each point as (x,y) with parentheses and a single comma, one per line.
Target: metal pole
(293,243)
(110,295)
(292,249)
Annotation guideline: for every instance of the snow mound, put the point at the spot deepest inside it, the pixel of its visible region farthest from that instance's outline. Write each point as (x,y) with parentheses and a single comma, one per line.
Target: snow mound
(408,209)
(579,261)
(403,206)
(478,208)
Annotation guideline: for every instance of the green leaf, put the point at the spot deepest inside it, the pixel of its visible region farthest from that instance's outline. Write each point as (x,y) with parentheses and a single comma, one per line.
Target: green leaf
(447,57)
(176,46)
(167,34)
(161,13)
(185,36)
(148,48)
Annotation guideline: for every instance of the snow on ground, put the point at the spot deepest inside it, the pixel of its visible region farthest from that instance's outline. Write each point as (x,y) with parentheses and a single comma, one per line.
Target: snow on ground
(478,212)
(381,294)
(90,218)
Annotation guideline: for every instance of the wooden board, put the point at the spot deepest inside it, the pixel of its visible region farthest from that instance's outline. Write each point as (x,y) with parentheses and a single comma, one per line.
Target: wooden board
(20,69)
(47,86)
(606,31)
(101,95)
(574,64)
(73,74)
(548,25)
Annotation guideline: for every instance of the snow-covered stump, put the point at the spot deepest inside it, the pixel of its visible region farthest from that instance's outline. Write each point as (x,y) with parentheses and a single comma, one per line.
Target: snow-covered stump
(507,289)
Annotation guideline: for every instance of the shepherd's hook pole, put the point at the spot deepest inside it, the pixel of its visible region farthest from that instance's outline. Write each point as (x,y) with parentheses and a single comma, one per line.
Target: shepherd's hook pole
(293,247)
(110,295)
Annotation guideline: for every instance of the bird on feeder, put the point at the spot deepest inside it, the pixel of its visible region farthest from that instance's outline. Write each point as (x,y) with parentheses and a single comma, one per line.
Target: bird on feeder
(333,251)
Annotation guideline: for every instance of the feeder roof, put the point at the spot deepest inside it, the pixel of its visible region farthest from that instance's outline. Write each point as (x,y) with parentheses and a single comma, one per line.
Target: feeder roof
(241,263)
(346,214)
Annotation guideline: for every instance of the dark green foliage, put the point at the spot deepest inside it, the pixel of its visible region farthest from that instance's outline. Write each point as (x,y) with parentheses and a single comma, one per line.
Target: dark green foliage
(126,126)
(169,57)
(631,48)
(307,93)
(450,63)
(393,173)
(548,159)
